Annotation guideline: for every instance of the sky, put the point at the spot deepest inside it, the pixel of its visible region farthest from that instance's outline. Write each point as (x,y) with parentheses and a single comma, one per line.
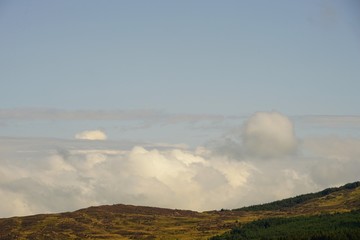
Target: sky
(183,104)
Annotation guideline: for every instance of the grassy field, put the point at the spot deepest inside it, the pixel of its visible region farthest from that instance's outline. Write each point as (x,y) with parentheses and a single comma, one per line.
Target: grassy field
(135,222)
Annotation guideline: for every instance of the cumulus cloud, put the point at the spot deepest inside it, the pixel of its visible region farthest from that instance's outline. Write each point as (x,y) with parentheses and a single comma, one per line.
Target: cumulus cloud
(168,177)
(91,135)
(269,134)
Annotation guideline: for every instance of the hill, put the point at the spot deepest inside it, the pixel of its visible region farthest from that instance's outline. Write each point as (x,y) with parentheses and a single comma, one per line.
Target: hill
(117,222)
(136,222)
(316,198)
(338,226)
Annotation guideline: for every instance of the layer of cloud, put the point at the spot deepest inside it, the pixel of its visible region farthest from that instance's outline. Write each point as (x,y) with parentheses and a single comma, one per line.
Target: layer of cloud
(60,114)
(133,124)
(49,175)
(91,135)
(154,116)
(331,120)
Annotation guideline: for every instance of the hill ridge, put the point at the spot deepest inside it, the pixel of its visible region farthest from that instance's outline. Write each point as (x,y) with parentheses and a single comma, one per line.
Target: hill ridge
(293,201)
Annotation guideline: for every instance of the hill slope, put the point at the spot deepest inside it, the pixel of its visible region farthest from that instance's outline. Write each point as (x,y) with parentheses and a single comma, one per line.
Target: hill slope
(135,222)
(336,226)
(327,197)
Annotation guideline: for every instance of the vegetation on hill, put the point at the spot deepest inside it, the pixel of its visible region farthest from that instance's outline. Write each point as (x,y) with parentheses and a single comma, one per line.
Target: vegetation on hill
(340,226)
(117,222)
(135,222)
(292,202)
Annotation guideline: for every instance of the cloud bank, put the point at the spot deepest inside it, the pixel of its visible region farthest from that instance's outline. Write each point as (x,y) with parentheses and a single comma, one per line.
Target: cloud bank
(42,175)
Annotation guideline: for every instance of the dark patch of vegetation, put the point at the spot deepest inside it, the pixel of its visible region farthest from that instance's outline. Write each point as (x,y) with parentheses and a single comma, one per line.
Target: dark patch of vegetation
(291,202)
(337,226)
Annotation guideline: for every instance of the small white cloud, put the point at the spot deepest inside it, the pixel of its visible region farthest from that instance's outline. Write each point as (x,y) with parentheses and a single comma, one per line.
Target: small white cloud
(91,135)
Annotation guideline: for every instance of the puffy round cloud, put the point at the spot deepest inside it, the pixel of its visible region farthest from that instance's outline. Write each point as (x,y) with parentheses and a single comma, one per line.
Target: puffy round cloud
(91,135)
(269,134)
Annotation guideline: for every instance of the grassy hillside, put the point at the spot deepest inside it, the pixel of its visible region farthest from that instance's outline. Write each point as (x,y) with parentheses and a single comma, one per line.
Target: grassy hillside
(117,222)
(134,222)
(299,200)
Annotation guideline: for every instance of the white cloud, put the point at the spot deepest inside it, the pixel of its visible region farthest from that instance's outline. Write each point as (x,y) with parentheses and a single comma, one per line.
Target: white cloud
(171,177)
(269,134)
(91,135)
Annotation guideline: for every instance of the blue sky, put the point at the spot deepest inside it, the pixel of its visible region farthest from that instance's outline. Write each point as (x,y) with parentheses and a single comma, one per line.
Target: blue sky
(233,57)
(175,103)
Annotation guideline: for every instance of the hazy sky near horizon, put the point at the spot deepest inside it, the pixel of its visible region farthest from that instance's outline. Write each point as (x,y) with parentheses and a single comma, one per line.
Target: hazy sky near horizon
(175,103)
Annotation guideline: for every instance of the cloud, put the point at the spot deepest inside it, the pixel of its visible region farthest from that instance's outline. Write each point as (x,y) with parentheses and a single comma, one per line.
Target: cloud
(133,124)
(334,159)
(91,135)
(342,149)
(269,134)
(148,116)
(51,175)
(60,114)
(331,121)
(167,177)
